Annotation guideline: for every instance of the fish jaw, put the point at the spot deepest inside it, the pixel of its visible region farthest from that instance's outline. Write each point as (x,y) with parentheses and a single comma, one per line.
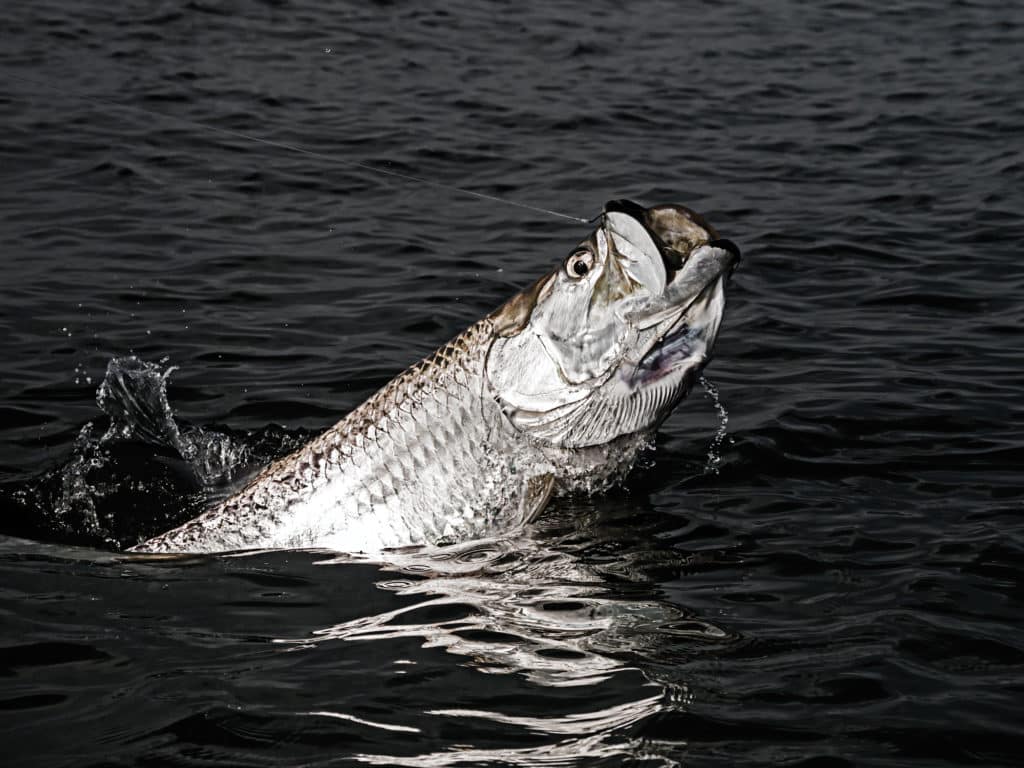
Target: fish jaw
(689,340)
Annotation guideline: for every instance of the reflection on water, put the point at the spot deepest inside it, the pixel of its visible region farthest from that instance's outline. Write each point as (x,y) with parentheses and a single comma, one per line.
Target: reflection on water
(586,737)
(518,606)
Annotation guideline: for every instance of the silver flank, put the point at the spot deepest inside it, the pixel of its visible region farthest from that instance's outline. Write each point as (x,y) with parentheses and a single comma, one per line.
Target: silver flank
(557,390)
(429,458)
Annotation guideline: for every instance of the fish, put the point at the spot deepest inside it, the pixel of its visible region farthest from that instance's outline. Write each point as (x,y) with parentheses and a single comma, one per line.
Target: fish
(555,392)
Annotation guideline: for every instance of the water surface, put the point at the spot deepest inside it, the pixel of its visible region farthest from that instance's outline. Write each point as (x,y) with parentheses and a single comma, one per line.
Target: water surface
(844,590)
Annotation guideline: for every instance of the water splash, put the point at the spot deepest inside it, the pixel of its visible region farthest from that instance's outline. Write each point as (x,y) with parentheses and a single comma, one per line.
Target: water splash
(134,395)
(714,458)
(76,495)
(145,473)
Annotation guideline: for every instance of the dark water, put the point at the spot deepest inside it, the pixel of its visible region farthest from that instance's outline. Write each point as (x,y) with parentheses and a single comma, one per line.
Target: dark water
(845,591)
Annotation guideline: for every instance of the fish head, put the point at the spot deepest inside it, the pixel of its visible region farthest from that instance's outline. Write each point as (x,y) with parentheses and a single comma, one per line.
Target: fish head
(610,342)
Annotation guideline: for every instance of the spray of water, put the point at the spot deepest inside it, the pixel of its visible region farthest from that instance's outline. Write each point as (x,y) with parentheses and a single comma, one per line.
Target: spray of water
(146,472)
(134,395)
(714,459)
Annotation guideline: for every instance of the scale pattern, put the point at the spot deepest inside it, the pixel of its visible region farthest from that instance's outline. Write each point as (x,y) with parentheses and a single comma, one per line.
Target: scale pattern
(429,457)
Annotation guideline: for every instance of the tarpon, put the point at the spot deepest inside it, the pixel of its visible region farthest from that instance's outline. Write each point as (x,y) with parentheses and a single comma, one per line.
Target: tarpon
(556,391)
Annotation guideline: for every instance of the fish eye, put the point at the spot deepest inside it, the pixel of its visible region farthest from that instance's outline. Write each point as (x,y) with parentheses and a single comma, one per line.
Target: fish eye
(579,264)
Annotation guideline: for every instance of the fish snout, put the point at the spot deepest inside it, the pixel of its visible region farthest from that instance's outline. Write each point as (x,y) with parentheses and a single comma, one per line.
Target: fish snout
(732,249)
(727,245)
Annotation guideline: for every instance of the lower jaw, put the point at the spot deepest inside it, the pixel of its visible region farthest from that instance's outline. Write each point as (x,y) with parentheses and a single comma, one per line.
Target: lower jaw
(685,347)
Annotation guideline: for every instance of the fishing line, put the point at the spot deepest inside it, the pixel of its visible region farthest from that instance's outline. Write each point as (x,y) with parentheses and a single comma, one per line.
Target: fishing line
(103,102)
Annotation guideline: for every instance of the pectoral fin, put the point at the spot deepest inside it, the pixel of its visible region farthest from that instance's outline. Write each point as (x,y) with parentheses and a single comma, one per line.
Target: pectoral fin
(535,496)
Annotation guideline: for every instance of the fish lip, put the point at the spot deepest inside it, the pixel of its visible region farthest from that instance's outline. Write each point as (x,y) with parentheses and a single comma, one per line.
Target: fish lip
(671,259)
(627,207)
(728,245)
(680,311)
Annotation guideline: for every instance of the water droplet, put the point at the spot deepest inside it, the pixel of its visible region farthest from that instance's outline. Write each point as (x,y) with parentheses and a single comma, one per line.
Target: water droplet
(714,450)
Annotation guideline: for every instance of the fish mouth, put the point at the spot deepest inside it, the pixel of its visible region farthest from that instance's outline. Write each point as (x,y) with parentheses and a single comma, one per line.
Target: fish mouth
(680,320)
(672,257)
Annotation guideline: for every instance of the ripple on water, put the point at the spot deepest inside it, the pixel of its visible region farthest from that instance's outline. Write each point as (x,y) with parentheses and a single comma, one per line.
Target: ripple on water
(843,590)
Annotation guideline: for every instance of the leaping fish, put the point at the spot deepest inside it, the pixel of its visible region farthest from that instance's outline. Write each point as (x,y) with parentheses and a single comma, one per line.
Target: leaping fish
(557,390)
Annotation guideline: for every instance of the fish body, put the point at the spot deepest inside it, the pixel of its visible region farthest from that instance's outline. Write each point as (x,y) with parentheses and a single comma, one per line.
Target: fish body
(558,390)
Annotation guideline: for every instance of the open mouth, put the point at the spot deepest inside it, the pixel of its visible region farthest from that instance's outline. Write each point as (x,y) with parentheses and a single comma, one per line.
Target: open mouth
(678,266)
(671,258)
